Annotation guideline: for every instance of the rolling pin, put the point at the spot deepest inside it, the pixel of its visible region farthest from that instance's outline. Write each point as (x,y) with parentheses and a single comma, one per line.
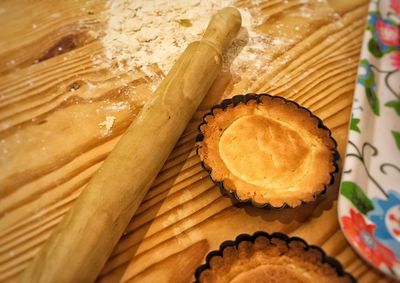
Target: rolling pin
(82,242)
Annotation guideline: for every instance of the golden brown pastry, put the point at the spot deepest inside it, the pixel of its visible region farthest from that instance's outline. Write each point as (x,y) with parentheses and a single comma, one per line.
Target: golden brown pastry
(271,260)
(268,150)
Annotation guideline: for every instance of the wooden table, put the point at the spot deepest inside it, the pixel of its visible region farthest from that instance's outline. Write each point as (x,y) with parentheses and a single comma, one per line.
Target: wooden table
(52,98)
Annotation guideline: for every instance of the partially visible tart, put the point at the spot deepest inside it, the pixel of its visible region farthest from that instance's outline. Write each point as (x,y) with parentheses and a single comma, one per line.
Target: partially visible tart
(268,150)
(270,258)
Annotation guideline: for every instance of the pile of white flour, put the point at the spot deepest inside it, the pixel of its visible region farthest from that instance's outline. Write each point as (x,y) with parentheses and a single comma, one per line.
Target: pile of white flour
(140,33)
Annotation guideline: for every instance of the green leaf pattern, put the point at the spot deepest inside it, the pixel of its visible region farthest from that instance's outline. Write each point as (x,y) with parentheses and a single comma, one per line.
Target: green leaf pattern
(354,125)
(395,104)
(368,81)
(355,194)
(396,136)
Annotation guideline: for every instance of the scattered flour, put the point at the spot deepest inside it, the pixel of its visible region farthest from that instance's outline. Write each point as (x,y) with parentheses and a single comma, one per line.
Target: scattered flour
(108,123)
(118,106)
(142,32)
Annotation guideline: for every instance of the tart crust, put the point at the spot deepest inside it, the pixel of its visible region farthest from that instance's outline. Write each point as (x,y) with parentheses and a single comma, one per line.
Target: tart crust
(268,150)
(271,259)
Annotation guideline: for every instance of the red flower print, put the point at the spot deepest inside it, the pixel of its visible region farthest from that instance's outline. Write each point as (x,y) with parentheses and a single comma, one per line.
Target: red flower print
(395,5)
(393,218)
(396,60)
(388,33)
(361,234)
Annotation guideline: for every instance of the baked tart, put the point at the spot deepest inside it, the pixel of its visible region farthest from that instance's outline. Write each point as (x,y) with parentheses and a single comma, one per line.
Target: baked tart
(267,150)
(270,258)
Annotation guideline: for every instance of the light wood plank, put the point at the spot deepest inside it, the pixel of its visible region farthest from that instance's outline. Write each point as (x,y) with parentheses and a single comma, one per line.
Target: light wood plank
(51,102)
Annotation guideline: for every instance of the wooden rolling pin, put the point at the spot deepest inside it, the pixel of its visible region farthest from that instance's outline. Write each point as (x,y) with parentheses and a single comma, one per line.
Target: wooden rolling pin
(82,242)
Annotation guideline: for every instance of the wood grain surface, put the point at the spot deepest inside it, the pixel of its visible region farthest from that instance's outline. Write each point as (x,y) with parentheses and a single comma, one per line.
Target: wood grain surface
(53,96)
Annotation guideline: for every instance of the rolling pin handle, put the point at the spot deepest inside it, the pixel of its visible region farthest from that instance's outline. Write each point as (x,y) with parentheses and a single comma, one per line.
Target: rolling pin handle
(223,28)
